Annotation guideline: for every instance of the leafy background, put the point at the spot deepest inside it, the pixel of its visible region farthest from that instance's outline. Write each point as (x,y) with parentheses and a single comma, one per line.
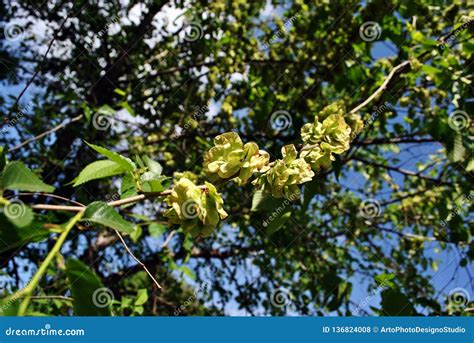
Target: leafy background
(162,78)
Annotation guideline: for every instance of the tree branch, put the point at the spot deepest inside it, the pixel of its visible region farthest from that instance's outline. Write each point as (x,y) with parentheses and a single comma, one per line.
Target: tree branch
(136,259)
(402,171)
(395,71)
(41,135)
(28,84)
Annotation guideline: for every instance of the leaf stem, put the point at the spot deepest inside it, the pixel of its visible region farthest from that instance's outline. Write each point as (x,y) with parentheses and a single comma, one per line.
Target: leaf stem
(26,292)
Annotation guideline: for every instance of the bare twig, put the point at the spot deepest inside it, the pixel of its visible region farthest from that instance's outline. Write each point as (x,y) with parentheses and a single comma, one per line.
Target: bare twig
(395,71)
(137,260)
(48,297)
(116,203)
(57,207)
(168,239)
(402,171)
(48,195)
(28,84)
(41,135)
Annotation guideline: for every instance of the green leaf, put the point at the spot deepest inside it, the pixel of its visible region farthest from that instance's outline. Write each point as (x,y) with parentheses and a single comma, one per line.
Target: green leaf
(470,165)
(106,109)
(188,272)
(18,214)
(9,307)
(153,166)
(17,176)
(385,280)
(263,201)
(126,106)
(136,234)
(123,161)
(98,170)
(127,188)
(277,221)
(11,237)
(87,111)
(101,213)
(156,230)
(142,297)
(394,303)
(90,296)
(154,183)
(457,153)
(120,92)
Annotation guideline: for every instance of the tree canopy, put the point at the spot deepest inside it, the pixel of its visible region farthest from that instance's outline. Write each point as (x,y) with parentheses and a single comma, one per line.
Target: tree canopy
(237,157)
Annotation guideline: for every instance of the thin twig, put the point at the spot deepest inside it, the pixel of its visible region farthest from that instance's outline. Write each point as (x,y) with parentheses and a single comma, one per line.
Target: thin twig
(396,70)
(17,100)
(57,207)
(47,297)
(168,239)
(402,171)
(48,195)
(41,135)
(115,203)
(136,259)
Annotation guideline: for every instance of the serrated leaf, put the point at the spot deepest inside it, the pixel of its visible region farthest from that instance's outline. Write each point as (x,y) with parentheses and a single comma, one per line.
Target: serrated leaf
(123,161)
(457,153)
(257,199)
(90,296)
(17,176)
(127,188)
(101,213)
(98,170)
